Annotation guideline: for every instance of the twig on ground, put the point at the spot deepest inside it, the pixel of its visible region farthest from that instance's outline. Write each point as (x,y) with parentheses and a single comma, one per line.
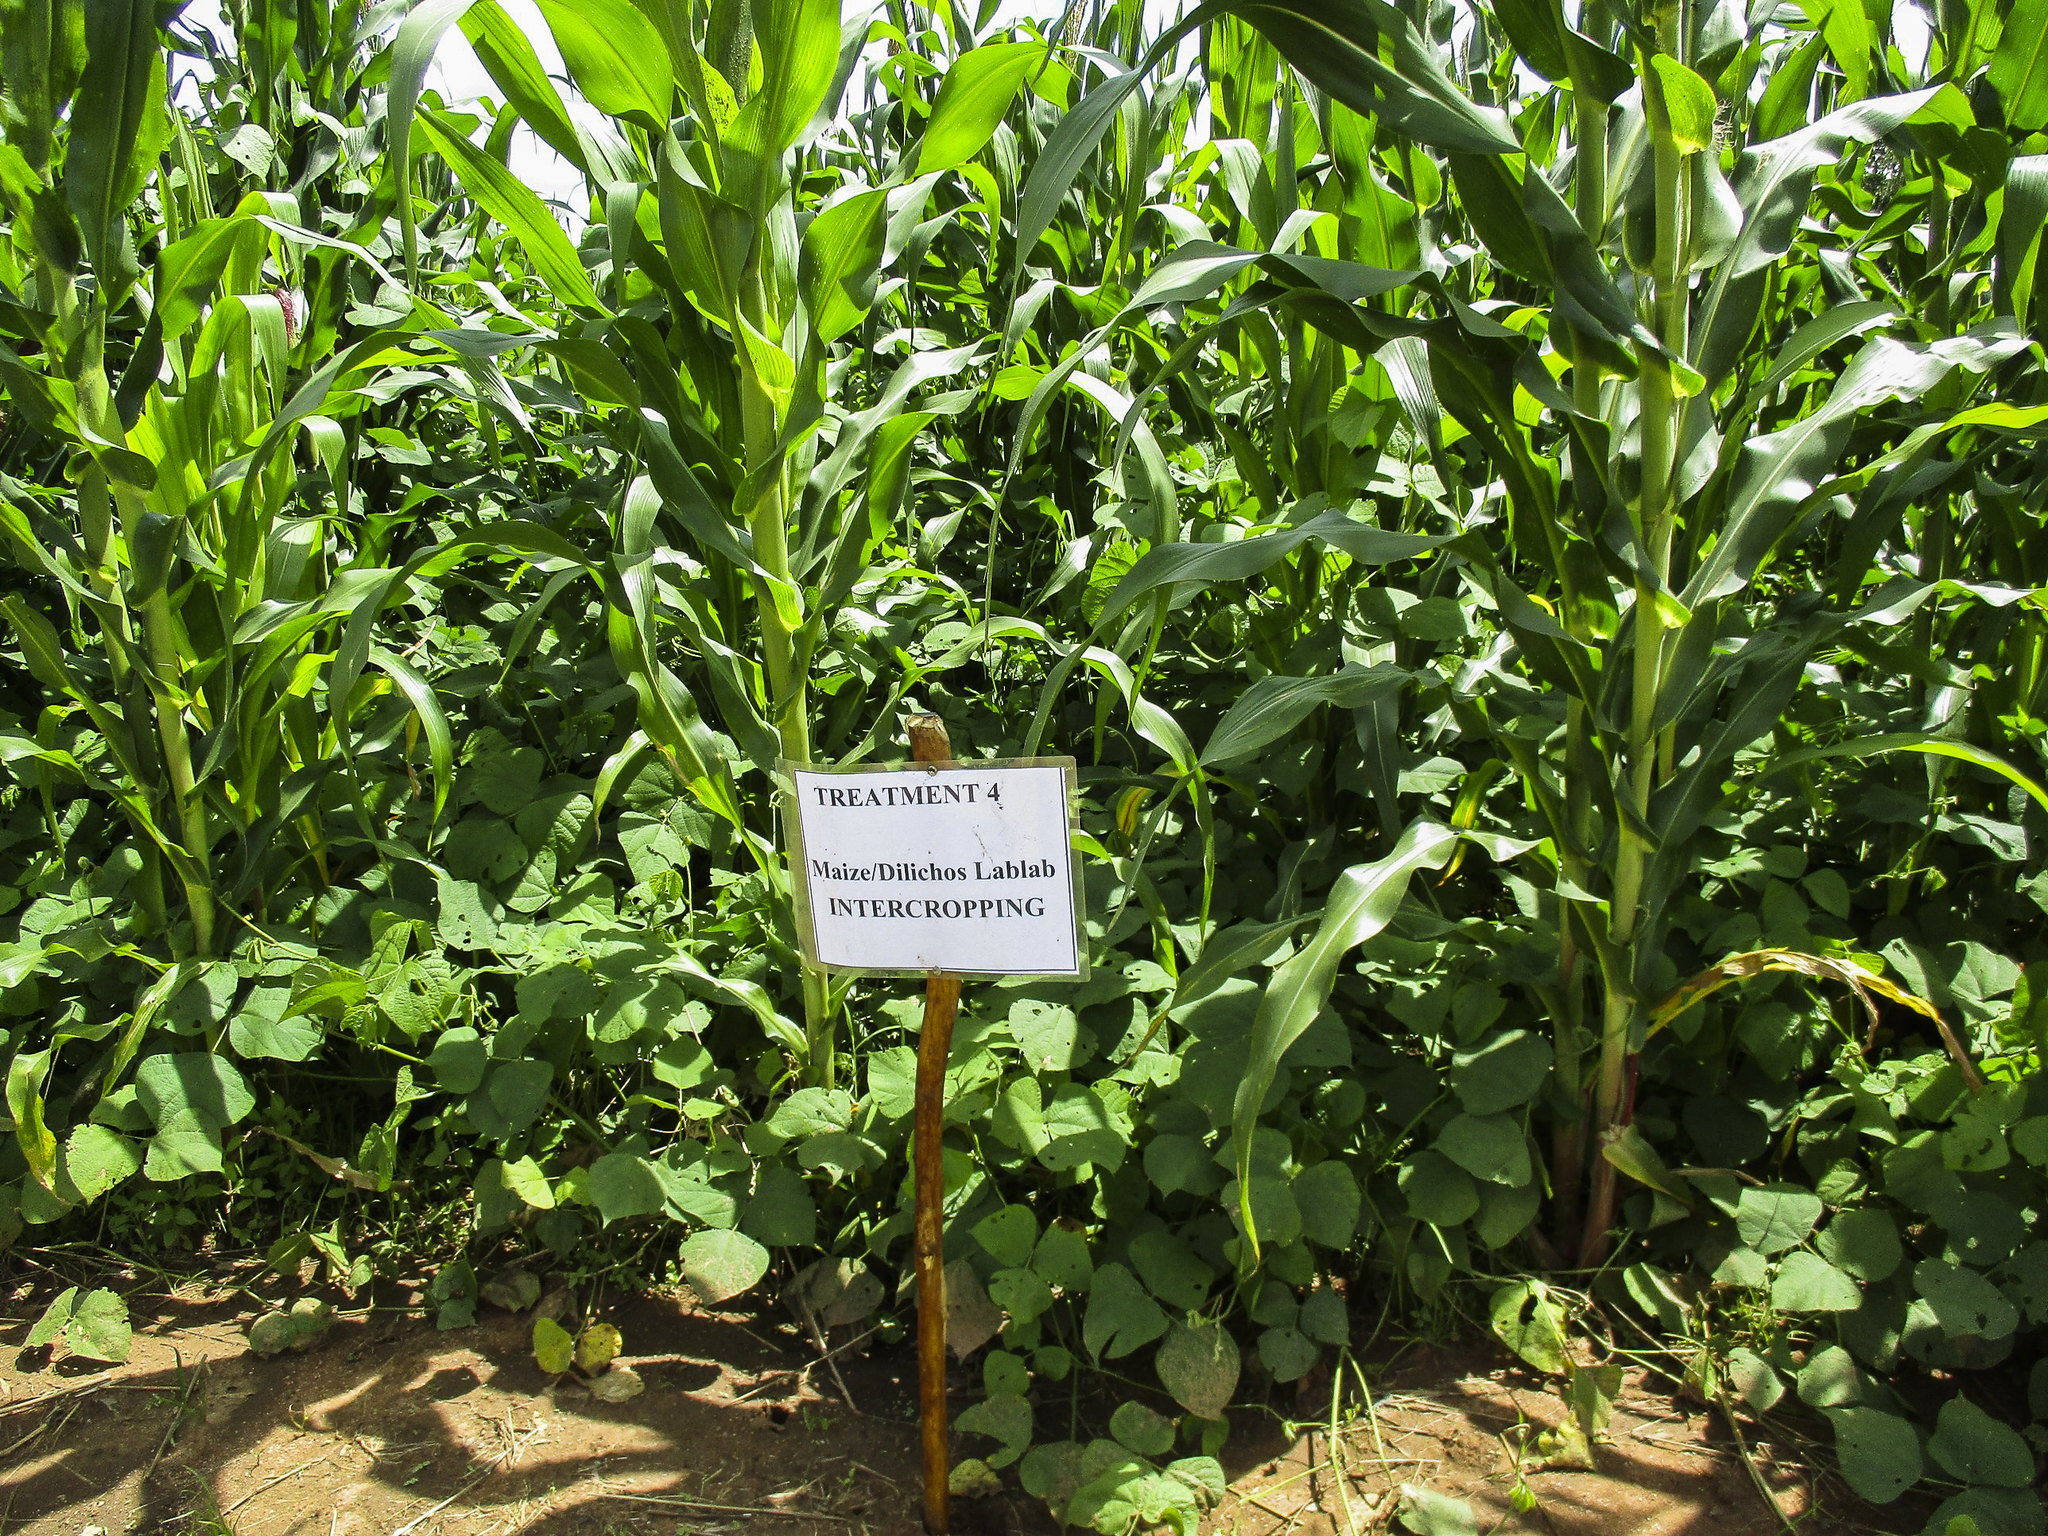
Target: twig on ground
(177,1414)
(52,1418)
(1755,1475)
(498,1461)
(723,1509)
(824,1354)
(764,1343)
(71,1389)
(767,1380)
(1687,1447)
(266,1487)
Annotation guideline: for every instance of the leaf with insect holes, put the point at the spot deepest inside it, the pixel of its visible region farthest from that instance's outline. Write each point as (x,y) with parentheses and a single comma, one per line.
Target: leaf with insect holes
(971,1478)
(1879,1452)
(1490,1147)
(1005,1417)
(98,1328)
(1753,1379)
(1008,1235)
(1963,1301)
(96,1158)
(1062,1258)
(272,1334)
(1971,1445)
(1531,1324)
(1046,1033)
(1288,1353)
(50,1326)
(1171,1270)
(511,1290)
(596,1347)
(183,1145)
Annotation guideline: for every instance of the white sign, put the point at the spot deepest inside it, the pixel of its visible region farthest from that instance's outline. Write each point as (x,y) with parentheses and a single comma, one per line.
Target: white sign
(961,867)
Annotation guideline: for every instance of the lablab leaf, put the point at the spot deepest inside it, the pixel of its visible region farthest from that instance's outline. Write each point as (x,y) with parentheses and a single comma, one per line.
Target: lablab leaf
(1199,1365)
(553,1347)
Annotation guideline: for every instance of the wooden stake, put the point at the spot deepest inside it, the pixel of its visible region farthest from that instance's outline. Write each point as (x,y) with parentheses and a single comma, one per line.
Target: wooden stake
(928,744)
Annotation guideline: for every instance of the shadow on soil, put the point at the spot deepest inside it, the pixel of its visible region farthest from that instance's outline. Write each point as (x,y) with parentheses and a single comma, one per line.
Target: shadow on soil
(388,1427)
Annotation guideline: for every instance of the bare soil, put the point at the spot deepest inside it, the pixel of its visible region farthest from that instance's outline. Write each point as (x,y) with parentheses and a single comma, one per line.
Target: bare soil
(388,1427)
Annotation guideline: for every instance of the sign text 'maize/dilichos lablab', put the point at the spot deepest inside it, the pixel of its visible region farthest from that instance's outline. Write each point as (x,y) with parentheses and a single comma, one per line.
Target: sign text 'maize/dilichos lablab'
(960,867)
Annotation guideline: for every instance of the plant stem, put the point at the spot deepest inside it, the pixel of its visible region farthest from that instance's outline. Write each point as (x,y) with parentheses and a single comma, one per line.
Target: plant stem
(1656,516)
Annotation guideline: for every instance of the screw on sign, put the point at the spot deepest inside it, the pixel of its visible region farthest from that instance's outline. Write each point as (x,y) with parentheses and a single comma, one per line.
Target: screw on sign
(938,869)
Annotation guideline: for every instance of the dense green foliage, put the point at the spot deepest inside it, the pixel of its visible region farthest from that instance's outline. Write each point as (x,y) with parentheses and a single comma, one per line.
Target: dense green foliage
(1530,520)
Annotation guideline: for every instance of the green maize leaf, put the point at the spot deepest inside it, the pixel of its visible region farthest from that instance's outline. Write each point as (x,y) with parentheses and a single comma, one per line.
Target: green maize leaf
(433,722)
(117,128)
(1916,741)
(1273,706)
(509,200)
(508,58)
(25,1075)
(1689,104)
(616,58)
(1536,28)
(799,42)
(2019,69)
(977,91)
(842,259)
(1362,902)
(1627,1149)
(1775,473)
(1369,56)
(1774,181)
(189,269)
(412,51)
(1171,564)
